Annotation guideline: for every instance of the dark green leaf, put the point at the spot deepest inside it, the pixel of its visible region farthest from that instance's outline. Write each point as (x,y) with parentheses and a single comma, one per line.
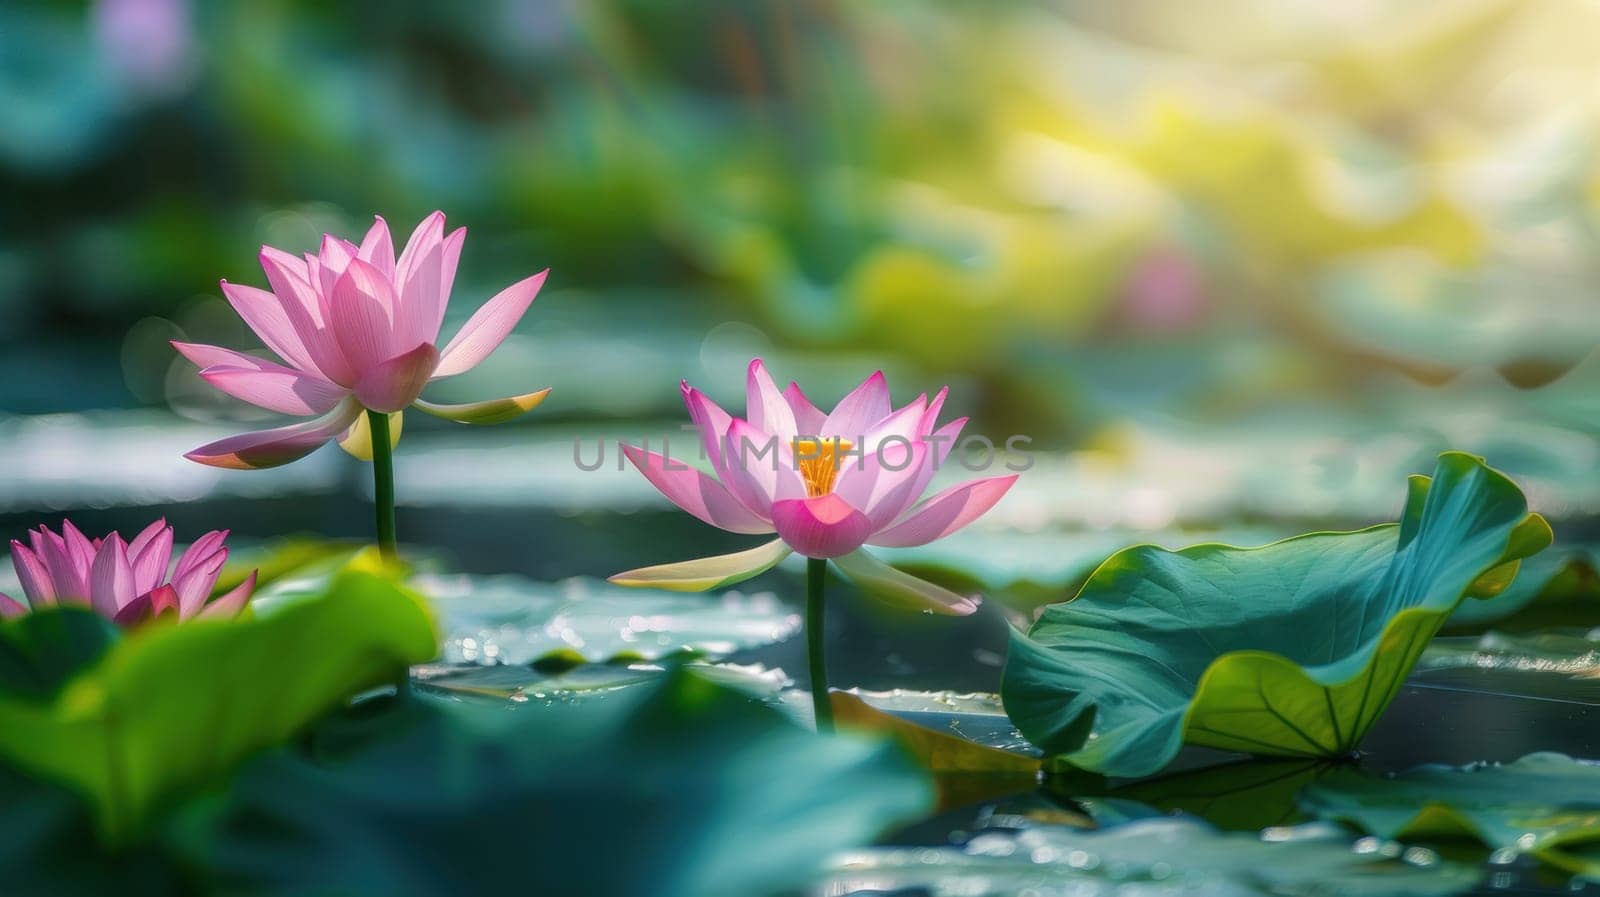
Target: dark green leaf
(680,788)
(282,558)
(48,848)
(174,707)
(1292,649)
(40,651)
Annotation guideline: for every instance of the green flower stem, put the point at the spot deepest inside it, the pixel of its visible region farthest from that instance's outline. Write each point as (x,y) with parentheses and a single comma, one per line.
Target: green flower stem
(383,504)
(383,484)
(816,571)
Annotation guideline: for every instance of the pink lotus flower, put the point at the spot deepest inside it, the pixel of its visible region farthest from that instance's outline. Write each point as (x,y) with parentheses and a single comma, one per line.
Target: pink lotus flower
(358,331)
(827,484)
(125,582)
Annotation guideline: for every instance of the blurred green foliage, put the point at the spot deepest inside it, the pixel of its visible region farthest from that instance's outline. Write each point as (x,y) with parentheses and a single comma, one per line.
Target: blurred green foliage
(172,709)
(680,788)
(992,189)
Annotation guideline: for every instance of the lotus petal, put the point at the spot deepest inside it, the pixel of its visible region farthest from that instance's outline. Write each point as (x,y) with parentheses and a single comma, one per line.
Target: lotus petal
(695,492)
(492,411)
(946,512)
(857,412)
(397,382)
(270,448)
(765,407)
(488,327)
(901,589)
(826,526)
(707,573)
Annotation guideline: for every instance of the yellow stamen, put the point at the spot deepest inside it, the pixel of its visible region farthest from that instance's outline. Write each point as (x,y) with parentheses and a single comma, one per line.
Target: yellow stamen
(818,462)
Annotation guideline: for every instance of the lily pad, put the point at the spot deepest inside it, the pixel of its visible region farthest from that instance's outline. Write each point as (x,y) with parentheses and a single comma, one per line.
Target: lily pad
(678,789)
(122,733)
(1157,857)
(913,700)
(1292,649)
(976,717)
(520,685)
(508,619)
(1571,653)
(1560,667)
(514,620)
(1544,804)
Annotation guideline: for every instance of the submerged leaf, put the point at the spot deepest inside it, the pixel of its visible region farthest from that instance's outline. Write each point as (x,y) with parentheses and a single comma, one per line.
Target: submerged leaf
(1292,649)
(1544,804)
(677,789)
(124,734)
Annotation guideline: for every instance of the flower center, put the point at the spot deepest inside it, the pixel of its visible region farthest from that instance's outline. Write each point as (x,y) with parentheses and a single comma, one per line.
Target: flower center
(817,459)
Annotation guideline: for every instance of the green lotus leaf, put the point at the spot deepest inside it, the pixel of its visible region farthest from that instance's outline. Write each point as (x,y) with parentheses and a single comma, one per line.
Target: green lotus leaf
(974,717)
(677,788)
(1152,856)
(49,848)
(174,707)
(1293,649)
(1544,804)
(41,652)
(281,559)
(1556,587)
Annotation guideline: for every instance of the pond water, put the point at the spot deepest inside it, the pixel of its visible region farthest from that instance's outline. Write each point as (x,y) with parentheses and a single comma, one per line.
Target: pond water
(536,541)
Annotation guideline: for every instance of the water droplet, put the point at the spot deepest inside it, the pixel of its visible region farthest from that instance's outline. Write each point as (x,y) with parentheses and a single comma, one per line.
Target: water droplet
(1419,856)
